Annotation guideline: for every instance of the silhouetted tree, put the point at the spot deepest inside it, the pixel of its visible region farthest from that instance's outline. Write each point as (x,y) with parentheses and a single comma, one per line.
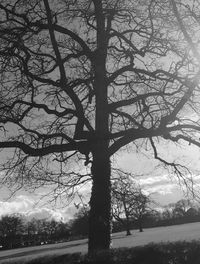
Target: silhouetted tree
(141,208)
(63,231)
(181,207)
(32,231)
(123,193)
(192,212)
(82,79)
(80,224)
(128,201)
(11,230)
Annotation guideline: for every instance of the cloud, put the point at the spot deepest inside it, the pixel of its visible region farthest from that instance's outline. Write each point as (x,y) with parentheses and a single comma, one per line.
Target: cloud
(20,205)
(49,214)
(154,180)
(26,206)
(166,184)
(161,185)
(44,213)
(161,189)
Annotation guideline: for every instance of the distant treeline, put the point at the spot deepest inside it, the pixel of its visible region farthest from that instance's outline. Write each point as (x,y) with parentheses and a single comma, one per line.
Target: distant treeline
(16,231)
(184,211)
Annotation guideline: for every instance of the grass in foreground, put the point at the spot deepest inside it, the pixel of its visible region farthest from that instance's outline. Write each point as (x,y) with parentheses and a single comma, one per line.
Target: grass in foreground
(163,253)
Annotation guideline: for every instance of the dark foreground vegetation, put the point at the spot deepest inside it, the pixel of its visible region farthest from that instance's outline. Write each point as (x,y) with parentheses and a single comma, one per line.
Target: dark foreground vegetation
(163,253)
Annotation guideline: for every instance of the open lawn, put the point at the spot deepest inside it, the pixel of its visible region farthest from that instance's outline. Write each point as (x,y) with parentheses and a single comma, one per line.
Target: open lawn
(186,232)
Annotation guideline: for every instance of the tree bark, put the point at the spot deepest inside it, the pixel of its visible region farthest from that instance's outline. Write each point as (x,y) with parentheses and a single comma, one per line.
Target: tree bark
(100,203)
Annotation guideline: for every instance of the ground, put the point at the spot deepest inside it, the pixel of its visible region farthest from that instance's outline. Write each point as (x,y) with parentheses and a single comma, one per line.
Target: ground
(186,232)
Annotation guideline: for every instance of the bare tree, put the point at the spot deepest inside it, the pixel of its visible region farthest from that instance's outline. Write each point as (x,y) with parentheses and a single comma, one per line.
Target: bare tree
(123,194)
(141,208)
(129,203)
(181,207)
(82,79)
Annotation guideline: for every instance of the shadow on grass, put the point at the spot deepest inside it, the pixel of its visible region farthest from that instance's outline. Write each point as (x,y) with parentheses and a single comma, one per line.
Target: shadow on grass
(39,250)
(163,253)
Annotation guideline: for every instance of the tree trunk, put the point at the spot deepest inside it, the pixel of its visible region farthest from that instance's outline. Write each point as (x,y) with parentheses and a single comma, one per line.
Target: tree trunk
(128,232)
(140,225)
(100,203)
(127,222)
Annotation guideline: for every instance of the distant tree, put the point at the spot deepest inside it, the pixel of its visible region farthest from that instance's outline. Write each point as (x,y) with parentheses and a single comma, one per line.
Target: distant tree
(128,201)
(56,230)
(192,212)
(183,211)
(11,230)
(123,191)
(141,208)
(80,223)
(32,232)
(63,231)
(32,227)
(181,207)
(42,230)
(152,217)
(169,211)
(166,213)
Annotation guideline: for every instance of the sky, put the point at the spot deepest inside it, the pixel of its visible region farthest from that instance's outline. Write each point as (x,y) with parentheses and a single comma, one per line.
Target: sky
(28,205)
(163,187)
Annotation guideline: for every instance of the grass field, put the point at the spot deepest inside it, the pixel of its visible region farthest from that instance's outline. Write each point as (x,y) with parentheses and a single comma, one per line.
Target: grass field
(185,232)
